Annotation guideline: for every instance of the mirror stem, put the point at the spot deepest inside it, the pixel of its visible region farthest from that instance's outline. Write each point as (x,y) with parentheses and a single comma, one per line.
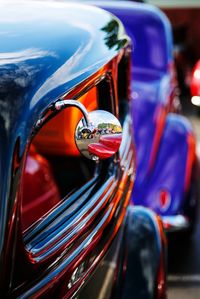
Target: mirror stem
(72,103)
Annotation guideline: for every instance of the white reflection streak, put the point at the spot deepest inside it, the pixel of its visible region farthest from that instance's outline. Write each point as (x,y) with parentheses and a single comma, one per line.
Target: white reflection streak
(63,74)
(28,11)
(21,56)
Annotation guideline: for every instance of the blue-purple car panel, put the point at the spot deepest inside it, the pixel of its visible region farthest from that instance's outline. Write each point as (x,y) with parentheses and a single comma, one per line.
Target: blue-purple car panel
(165,143)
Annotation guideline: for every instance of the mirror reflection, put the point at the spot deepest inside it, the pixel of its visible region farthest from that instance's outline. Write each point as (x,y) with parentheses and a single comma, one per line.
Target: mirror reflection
(102,138)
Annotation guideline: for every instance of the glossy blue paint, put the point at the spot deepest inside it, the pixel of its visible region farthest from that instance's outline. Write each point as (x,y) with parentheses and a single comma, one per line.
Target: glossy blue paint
(52,56)
(160,138)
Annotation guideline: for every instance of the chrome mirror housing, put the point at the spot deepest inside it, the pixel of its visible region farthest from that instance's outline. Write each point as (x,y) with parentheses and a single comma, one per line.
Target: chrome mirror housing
(100,137)
(98,134)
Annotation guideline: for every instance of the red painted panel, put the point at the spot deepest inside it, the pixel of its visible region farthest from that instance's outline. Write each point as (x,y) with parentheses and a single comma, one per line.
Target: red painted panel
(40,192)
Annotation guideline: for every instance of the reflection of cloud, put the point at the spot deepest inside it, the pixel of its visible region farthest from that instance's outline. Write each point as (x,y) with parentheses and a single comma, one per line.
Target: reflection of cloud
(19,76)
(15,79)
(103,117)
(61,74)
(27,11)
(4,33)
(4,107)
(66,71)
(21,56)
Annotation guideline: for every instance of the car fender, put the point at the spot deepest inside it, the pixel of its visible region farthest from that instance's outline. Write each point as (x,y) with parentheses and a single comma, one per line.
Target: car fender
(144,255)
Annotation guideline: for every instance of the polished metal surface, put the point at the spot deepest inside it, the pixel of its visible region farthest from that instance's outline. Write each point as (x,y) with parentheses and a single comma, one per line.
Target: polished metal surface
(72,103)
(175,222)
(101,138)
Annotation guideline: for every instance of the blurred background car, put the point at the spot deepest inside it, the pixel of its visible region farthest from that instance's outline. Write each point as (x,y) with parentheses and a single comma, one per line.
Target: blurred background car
(184,17)
(167,164)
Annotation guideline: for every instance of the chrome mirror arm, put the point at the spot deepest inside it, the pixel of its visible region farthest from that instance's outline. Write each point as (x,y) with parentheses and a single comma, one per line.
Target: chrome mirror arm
(72,103)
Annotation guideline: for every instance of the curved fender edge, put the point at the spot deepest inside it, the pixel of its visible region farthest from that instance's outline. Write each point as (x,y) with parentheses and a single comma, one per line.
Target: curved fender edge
(143,256)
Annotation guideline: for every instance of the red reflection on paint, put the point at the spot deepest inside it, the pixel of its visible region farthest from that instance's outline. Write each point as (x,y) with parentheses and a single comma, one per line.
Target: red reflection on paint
(40,192)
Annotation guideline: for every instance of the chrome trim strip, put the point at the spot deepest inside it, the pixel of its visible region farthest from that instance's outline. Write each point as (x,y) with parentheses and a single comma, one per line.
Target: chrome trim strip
(62,104)
(175,222)
(111,203)
(66,204)
(54,229)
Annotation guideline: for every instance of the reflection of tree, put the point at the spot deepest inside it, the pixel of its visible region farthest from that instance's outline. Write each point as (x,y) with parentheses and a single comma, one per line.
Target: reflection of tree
(112,39)
(112,127)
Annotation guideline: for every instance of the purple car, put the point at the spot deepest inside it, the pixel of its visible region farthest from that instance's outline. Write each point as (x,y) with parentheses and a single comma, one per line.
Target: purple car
(167,166)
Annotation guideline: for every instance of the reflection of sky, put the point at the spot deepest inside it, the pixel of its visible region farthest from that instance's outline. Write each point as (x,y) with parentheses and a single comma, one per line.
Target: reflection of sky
(59,77)
(100,117)
(21,56)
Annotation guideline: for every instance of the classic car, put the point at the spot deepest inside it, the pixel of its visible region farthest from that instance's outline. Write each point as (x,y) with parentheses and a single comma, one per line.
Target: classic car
(67,159)
(167,165)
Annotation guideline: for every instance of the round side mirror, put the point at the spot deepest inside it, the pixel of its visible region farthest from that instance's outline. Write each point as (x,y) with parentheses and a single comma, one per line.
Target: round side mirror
(101,138)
